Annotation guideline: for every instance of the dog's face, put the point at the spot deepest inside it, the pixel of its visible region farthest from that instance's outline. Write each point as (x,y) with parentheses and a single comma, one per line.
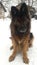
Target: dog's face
(20,19)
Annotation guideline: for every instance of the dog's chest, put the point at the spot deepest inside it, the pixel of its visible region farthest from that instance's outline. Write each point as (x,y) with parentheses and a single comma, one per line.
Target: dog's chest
(20,41)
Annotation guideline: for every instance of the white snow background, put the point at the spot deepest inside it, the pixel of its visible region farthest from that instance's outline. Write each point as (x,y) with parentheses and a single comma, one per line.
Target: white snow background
(5,42)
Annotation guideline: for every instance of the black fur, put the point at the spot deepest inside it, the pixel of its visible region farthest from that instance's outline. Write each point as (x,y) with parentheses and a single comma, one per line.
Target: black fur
(14,11)
(20,19)
(24,10)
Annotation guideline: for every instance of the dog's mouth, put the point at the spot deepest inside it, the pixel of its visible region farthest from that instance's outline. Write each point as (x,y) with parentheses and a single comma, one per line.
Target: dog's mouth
(22,31)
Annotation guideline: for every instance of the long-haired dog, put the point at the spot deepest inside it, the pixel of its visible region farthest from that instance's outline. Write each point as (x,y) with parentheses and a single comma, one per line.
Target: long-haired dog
(20,31)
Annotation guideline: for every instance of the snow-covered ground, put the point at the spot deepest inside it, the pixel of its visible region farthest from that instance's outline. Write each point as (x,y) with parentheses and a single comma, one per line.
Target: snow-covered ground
(5,44)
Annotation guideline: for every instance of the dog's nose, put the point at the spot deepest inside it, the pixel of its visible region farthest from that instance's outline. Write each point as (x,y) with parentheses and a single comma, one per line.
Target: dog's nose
(22,29)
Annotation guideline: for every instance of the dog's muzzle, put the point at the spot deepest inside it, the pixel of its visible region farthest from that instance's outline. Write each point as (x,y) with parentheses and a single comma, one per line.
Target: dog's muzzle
(21,30)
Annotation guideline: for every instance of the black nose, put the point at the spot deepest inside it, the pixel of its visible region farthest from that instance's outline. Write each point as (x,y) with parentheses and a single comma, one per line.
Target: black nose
(22,28)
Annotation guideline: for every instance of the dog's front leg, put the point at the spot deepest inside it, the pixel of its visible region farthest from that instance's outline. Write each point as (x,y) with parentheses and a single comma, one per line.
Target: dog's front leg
(14,51)
(24,51)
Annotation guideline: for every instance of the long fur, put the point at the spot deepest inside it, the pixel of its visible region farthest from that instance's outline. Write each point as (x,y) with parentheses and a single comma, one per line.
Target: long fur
(20,31)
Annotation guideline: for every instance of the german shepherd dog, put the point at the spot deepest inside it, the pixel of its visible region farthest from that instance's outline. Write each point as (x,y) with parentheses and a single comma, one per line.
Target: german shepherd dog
(20,31)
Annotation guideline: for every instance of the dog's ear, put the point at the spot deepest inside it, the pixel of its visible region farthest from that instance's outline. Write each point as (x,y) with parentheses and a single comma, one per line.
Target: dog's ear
(14,11)
(24,10)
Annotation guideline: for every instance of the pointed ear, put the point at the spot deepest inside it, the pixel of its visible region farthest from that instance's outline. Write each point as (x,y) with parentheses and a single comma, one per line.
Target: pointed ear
(24,9)
(14,11)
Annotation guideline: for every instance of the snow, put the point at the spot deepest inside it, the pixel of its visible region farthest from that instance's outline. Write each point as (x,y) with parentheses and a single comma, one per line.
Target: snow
(5,44)
(8,3)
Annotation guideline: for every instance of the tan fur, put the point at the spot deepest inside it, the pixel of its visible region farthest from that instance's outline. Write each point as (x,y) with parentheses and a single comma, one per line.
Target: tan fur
(25,43)
(21,43)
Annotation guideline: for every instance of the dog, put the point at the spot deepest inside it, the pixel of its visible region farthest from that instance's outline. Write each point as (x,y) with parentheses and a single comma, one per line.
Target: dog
(20,31)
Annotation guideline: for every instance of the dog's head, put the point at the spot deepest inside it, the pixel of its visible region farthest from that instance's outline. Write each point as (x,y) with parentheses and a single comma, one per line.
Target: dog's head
(20,18)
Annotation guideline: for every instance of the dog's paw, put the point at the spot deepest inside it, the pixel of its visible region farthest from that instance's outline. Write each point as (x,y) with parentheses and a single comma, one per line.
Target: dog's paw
(26,60)
(11,58)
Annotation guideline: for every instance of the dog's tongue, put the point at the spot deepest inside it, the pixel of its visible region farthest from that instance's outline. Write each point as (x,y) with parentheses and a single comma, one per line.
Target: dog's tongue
(22,31)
